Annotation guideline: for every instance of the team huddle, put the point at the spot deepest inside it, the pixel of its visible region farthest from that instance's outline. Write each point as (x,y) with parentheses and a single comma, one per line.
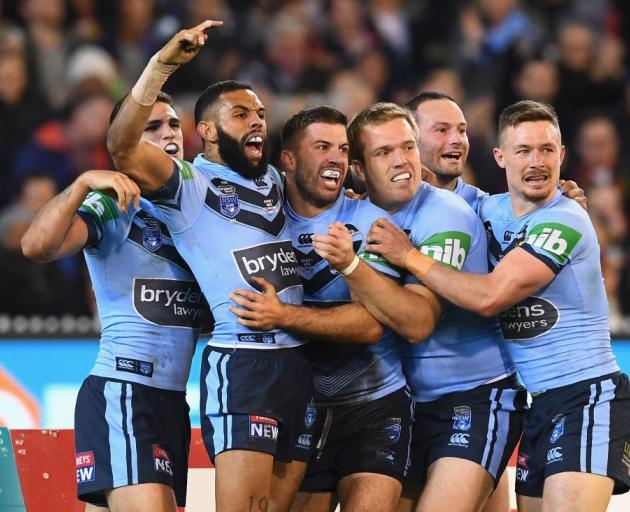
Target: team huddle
(369,352)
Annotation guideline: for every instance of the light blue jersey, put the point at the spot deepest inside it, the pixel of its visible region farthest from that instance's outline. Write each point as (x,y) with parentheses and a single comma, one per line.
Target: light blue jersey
(465,350)
(230,229)
(344,373)
(474,196)
(149,304)
(560,334)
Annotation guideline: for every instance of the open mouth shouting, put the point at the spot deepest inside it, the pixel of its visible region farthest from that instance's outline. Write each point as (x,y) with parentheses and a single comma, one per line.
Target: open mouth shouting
(331,177)
(254,145)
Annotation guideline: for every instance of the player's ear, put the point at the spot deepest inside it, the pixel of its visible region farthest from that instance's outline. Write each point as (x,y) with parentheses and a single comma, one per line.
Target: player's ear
(288,161)
(357,169)
(207,130)
(498,157)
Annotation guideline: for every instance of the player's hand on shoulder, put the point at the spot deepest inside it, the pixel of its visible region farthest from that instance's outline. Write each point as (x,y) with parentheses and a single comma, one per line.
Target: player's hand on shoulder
(113,183)
(184,45)
(389,241)
(571,190)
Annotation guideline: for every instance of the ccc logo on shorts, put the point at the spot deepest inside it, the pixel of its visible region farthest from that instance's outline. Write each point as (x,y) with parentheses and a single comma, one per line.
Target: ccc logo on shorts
(554,455)
(459,440)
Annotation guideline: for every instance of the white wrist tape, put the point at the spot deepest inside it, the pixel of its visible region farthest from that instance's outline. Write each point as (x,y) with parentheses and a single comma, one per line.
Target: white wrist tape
(151,81)
(351,268)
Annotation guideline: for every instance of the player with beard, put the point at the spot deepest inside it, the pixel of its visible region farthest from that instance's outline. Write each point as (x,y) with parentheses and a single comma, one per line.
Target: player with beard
(469,405)
(227,219)
(363,408)
(134,455)
(545,283)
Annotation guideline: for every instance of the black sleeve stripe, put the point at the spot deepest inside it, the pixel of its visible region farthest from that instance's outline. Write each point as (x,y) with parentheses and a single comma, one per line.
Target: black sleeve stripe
(94,233)
(169,189)
(554,266)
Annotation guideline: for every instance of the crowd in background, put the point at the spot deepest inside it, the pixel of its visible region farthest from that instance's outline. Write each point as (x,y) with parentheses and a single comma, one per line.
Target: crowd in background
(64,63)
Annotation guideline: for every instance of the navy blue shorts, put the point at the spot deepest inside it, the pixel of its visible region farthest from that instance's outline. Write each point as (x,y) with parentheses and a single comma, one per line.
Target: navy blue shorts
(482,425)
(368,437)
(259,400)
(128,433)
(582,427)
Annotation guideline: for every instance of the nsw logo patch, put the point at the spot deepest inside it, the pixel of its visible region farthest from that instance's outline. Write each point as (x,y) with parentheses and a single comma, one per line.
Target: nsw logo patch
(462,417)
(151,234)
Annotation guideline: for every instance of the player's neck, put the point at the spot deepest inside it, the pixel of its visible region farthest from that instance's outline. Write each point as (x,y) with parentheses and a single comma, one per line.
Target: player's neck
(522,205)
(303,206)
(446,182)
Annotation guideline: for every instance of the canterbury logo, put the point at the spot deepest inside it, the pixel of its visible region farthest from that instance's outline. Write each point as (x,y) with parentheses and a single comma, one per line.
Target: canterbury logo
(460,439)
(305,238)
(554,454)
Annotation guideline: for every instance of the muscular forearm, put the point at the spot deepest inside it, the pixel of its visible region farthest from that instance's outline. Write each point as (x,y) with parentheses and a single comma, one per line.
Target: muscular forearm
(49,229)
(348,323)
(144,162)
(402,310)
(480,293)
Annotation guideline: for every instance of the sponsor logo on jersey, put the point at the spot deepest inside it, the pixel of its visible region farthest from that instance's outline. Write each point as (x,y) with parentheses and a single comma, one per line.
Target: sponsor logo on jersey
(459,439)
(161,460)
(170,302)
(522,470)
(558,428)
(263,427)
(260,182)
(275,261)
(528,319)
(267,338)
(392,430)
(554,455)
(151,235)
(86,468)
(310,415)
(126,364)
(555,239)
(305,239)
(449,248)
(462,417)
(304,441)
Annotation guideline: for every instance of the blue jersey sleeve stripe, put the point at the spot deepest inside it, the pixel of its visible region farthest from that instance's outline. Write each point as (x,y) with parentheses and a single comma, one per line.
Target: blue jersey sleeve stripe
(94,230)
(555,268)
(169,189)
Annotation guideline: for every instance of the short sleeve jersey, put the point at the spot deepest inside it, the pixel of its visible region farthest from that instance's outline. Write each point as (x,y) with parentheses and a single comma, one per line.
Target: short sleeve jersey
(230,229)
(344,373)
(560,334)
(149,304)
(471,194)
(465,350)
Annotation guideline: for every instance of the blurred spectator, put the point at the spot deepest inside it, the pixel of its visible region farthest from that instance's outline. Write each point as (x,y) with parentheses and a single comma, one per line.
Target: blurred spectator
(35,191)
(288,66)
(92,70)
(63,147)
(28,288)
(48,46)
(537,80)
(22,109)
(135,37)
(588,78)
(601,173)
